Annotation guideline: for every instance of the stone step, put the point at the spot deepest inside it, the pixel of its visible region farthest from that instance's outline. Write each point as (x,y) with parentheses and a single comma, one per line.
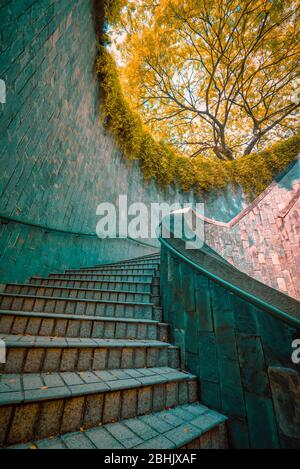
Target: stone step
(36,354)
(106,277)
(105,285)
(60,305)
(153,257)
(99,270)
(69,325)
(38,405)
(188,426)
(80,293)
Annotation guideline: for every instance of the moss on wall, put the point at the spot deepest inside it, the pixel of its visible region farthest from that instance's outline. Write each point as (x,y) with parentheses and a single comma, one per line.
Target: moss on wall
(160,161)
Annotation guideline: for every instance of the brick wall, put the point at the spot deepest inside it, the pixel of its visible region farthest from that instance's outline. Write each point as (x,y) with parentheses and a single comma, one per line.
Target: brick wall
(264,239)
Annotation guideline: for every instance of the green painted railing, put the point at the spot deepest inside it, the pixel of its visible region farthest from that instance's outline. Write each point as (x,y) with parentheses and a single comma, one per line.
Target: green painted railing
(234,289)
(255,300)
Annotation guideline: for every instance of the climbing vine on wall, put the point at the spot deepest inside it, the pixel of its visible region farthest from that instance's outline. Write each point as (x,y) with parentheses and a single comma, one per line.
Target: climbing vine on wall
(165,164)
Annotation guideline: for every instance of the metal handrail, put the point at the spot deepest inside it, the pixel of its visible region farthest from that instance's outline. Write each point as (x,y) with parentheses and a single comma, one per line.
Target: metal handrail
(60,230)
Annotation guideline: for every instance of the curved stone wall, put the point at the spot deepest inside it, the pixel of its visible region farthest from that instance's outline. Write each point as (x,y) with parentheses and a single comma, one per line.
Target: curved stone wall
(57,161)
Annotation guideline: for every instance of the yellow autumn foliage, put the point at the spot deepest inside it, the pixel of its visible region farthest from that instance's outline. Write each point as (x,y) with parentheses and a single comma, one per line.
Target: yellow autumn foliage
(166,165)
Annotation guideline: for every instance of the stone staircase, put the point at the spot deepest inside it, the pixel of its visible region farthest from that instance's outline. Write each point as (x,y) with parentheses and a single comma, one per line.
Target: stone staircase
(89,365)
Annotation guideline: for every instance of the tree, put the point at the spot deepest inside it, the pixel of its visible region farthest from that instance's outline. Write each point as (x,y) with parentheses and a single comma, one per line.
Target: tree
(212,77)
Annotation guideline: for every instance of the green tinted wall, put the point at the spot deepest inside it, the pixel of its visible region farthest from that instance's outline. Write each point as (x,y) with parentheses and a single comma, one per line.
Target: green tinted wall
(57,161)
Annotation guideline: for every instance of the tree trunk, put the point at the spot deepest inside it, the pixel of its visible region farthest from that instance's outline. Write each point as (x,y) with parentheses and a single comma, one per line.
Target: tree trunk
(252,144)
(223,153)
(221,149)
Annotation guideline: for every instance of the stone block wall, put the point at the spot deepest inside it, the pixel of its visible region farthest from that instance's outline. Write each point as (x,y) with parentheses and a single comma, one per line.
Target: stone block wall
(264,239)
(57,161)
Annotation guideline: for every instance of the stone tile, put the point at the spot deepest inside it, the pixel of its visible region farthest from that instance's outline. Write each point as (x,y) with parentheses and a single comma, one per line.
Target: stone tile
(91,388)
(121,330)
(171,394)
(23,424)
(127,357)
(102,439)
(129,404)
(140,356)
(19,325)
(49,418)
(32,381)
(152,357)
(159,399)
(68,360)
(46,393)
(123,384)
(93,410)
(183,414)
(114,358)
(134,373)
(144,400)
(196,409)
(52,360)
(71,378)
(171,417)
(5,416)
(54,443)
(151,380)
(11,397)
(77,440)
(99,362)
(86,328)
(10,383)
(85,359)
(120,374)
(15,360)
(33,326)
(98,329)
(183,434)
(207,420)
(159,425)
(193,391)
(106,375)
(34,361)
(73,415)
(157,443)
(109,329)
(88,376)
(47,327)
(183,393)
(52,380)
(141,428)
(205,441)
(123,434)
(60,327)
(112,406)
(6,323)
